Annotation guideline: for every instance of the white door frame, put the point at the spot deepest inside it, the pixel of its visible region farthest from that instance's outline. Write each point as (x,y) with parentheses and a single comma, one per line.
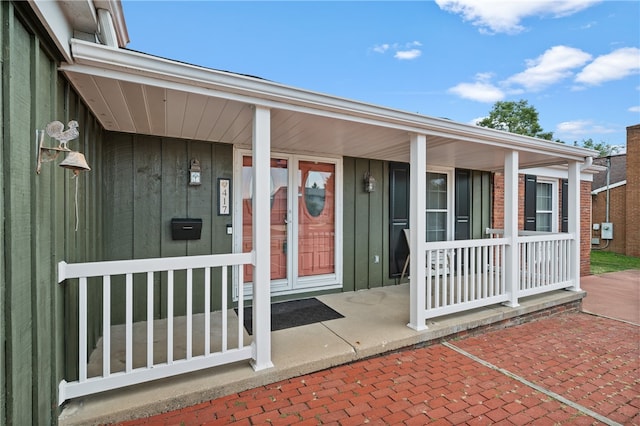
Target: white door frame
(292,284)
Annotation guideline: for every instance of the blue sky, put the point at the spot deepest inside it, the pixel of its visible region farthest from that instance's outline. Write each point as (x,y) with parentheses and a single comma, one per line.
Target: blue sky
(576,61)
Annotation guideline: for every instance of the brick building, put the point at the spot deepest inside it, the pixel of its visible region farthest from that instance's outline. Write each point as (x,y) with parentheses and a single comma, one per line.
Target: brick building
(616,199)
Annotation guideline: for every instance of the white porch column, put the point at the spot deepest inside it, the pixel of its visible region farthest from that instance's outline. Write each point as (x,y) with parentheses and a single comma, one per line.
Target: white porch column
(512,259)
(261,146)
(418,231)
(574,223)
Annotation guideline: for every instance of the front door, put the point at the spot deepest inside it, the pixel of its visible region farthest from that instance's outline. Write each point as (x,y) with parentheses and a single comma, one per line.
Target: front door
(304,249)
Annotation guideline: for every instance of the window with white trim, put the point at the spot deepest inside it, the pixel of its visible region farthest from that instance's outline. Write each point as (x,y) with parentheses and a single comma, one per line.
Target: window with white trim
(544,207)
(438,206)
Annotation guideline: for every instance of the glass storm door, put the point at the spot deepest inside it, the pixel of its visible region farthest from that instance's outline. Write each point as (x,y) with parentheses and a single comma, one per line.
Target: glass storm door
(303,223)
(316,218)
(278,214)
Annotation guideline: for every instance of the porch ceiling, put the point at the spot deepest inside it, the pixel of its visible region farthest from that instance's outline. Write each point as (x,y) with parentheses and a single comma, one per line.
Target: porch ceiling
(135,93)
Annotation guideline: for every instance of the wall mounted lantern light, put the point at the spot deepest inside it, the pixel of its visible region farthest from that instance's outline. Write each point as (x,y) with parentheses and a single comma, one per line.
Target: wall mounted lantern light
(194,173)
(74,160)
(369,182)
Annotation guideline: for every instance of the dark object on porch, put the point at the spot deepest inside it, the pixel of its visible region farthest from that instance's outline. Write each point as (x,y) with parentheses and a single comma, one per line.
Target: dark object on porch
(294,313)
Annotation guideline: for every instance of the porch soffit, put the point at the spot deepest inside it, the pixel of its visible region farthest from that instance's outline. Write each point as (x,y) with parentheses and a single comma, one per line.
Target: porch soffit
(133,98)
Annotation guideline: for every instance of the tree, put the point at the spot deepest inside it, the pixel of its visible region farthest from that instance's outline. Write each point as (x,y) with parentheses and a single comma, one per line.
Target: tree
(603,148)
(515,117)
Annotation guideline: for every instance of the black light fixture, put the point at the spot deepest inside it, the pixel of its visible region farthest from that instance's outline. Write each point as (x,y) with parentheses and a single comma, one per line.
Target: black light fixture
(369,182)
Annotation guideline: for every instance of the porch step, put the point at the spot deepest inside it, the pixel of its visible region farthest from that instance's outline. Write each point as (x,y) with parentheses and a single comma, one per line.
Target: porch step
(374,323)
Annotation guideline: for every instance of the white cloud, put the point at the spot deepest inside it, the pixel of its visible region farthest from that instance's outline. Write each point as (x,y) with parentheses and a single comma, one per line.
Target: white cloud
(614,66)
(580,129)
(552,66)
(634,109)
(505,16)
(407,54)
(381,48)
(405,51)
(482,90)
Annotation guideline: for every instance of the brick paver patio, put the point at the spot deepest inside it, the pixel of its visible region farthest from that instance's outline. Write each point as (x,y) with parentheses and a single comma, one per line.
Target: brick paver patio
(582,369)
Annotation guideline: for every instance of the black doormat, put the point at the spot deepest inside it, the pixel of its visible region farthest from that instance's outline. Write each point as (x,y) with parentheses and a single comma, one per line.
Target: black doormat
(294,313)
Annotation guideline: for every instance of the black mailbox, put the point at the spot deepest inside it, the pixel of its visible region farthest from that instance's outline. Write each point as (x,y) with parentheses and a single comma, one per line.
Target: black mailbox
(186,229)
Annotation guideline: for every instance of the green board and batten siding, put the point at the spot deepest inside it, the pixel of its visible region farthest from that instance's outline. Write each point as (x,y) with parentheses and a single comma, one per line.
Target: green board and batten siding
(38,220)
(146,185)
(366,234)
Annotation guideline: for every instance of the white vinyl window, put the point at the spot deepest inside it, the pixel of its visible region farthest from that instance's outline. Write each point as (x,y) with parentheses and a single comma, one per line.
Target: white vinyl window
(438,206)
(546,206)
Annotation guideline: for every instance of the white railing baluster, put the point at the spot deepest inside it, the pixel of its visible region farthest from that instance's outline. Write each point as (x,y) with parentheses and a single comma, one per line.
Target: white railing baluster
(106,325)
(467,271)
(442,260)
(483,271)
(129,323)
(170,317)
(224,308)
(429,283)
(82,329)
(240,271)
(488,269)
(189,313)
(458,273)
(503,284)
(150,319)
(207,311)
(565,261)
(472,265)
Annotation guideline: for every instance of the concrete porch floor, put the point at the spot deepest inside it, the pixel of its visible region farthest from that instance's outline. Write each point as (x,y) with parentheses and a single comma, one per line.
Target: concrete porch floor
(374,323)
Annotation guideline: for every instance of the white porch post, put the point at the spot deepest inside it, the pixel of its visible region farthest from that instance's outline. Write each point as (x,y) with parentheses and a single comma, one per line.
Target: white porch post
(574,223)
(261,146)
(512,259)
(418,231)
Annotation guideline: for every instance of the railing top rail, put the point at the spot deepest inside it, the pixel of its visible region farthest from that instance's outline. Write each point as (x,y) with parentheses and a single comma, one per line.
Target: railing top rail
(546,237)
(133,266)
(485,242)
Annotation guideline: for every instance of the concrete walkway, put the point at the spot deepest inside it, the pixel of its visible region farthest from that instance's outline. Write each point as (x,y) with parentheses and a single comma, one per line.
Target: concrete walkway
(570,368)
(614,294)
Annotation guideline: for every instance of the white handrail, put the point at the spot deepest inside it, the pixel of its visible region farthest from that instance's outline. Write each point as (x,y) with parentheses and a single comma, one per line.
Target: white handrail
(136,266)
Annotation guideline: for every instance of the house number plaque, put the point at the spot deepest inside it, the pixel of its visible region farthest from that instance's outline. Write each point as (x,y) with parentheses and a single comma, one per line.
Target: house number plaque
(224,197)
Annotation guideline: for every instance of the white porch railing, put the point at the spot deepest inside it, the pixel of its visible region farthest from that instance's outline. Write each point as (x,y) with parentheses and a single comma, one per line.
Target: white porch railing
(195,351)
(468,274)
(544,263)
(464,274)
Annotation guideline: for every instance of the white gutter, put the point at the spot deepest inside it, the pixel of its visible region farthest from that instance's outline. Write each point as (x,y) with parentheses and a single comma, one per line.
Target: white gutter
(93,59)
(612,186)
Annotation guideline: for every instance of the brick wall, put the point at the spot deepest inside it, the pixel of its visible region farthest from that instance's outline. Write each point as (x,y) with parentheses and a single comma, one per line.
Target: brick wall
(617,216)
(585,228)
(585,215)
(633,191)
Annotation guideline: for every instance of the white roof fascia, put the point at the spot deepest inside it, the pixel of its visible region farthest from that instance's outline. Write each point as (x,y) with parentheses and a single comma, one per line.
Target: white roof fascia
(612,186)
(561,172)
(94,59)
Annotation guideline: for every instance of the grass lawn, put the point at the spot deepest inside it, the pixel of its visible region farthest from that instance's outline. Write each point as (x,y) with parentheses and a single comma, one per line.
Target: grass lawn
(604,261)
